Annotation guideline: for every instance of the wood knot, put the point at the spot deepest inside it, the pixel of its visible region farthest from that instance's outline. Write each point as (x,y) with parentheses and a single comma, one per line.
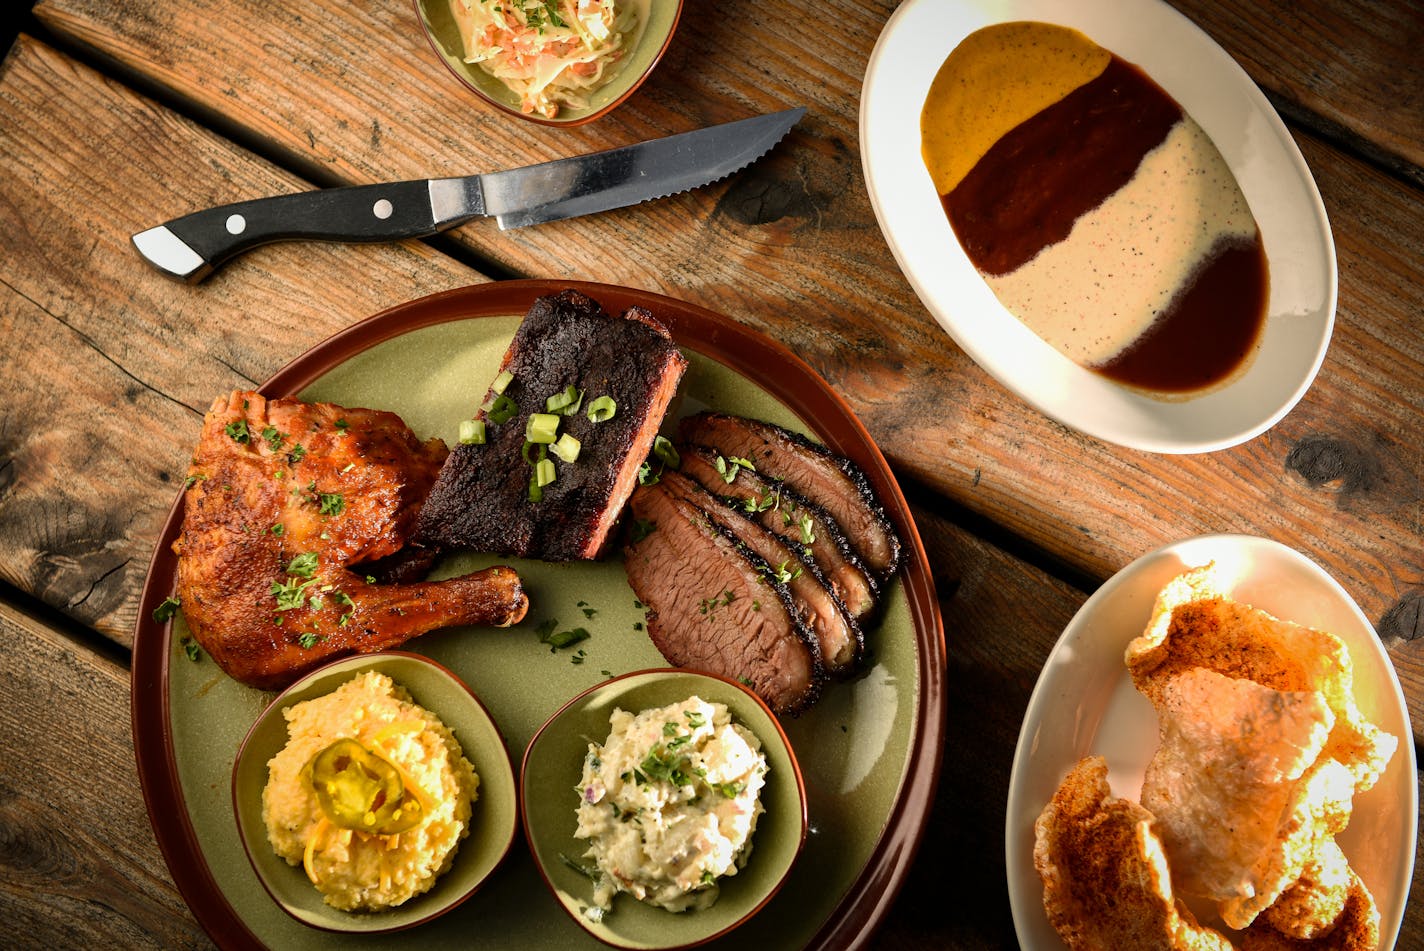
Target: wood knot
(1327,461)
(760,197)
(1405,620)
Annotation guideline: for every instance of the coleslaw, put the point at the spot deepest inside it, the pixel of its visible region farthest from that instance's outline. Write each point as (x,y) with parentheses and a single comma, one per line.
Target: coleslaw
(551,53)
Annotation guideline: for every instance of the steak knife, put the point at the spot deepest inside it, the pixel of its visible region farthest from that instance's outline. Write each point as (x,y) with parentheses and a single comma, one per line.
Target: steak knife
(193,246)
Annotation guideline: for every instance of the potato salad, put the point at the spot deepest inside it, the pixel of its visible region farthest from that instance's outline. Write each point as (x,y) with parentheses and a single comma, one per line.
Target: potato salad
(669,802)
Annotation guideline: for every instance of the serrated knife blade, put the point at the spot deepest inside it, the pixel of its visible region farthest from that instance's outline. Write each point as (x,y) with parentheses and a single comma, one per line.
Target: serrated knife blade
(191,247)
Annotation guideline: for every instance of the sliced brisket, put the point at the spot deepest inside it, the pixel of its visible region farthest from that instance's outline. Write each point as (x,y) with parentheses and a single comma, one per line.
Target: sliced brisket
(804,525)
(714,605)
(835,483)
(837,634)
(482,501)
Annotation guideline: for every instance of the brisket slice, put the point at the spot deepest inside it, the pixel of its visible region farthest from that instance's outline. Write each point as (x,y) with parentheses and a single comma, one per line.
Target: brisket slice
(481,500)
(714,605)
(837,634)
(804,525)
(835,483)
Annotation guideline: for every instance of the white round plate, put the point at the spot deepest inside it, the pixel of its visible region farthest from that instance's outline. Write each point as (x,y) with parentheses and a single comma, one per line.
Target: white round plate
(1219,95)
(1085,704)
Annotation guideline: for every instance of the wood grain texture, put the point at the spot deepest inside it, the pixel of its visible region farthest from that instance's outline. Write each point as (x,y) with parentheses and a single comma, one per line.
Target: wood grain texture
(1348,68)
(108,366)
(79,867)
(798,255)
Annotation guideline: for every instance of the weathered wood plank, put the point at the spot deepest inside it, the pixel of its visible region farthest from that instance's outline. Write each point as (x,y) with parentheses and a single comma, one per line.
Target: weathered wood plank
(1353,66)
(79,867)
(797,254)
(108,366)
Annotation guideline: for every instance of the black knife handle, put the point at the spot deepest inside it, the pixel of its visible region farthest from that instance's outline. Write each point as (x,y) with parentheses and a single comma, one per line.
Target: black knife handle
(384,212)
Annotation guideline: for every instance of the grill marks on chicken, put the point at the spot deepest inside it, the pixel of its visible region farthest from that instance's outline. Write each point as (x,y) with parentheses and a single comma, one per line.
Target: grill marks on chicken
(291,507)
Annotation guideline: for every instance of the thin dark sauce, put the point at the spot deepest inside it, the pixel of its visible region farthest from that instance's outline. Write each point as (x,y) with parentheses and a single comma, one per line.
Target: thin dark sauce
(1209,330)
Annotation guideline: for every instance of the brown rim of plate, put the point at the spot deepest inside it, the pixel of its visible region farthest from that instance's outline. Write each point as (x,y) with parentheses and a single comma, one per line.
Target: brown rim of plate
(280,698)
(785,743)
(756,356)
(541,120)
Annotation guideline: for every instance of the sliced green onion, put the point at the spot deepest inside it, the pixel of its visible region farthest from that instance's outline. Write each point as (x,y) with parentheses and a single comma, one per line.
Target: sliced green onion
(502,381)
(601,409)
(472,431)
(536,491)
(501,409)
(666,451)
(541,427)
(539,452)
(566,447)
(544,472)
(566,402)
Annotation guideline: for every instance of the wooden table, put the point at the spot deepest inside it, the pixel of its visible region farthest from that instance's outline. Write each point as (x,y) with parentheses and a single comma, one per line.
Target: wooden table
(114,117)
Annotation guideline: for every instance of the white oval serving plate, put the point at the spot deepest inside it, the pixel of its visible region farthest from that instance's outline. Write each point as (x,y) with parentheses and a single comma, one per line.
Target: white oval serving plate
(1085,704)
(1224,101)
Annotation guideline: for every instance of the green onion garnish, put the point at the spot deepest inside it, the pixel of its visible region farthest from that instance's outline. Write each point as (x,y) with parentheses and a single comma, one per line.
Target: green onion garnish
(544,472)
(566,447)
(472,431)
(565,403)
(502,381)
(541,428)
(664,450)
(501,409)
(601,409)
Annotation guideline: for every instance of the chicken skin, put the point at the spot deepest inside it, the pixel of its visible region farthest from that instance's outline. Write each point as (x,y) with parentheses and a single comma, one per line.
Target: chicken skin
(294,514)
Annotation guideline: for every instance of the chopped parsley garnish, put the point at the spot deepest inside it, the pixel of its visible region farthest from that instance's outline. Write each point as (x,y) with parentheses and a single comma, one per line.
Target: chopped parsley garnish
(191,648)
(331,503)
(309,639)
(304,564)
(238,431)
(273,437)
(297,454)
(550,634)
(292,594)
(165,610)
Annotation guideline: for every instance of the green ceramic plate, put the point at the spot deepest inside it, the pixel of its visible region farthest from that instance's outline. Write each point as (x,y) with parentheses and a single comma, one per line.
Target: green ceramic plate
(869,750)
(493,821)
(553,764)
(657,21)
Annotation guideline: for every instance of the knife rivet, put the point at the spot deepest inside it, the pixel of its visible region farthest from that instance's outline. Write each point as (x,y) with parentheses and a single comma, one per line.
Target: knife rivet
(236,224)
(382,209)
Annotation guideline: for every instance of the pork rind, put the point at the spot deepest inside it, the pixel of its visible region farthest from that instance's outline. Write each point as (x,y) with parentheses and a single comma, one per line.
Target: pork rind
(1302,925)
(1262,747)
(1105,876)
(1195,625)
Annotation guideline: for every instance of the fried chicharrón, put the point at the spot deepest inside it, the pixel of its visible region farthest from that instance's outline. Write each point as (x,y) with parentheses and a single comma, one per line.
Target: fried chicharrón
(1261,750)
(1105,877)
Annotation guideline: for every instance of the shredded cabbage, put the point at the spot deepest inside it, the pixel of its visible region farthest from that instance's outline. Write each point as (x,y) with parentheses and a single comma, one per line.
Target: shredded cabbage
(551,53)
